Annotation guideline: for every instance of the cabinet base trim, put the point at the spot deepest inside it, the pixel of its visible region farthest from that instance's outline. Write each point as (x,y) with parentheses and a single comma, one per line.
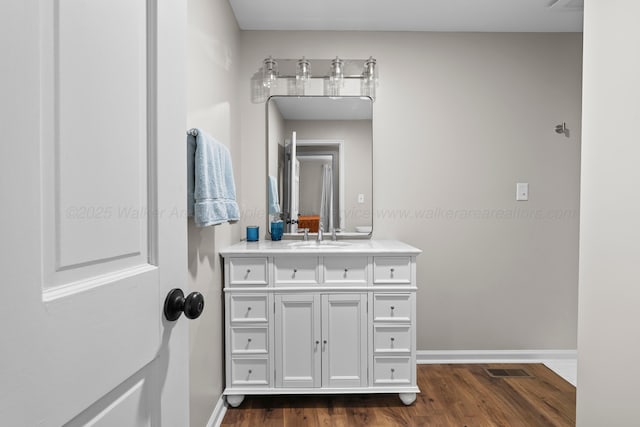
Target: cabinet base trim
(283,390)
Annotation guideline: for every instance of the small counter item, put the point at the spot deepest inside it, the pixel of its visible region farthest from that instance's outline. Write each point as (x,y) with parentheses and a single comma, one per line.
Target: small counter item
(277,228)
(312,222)
(253,232)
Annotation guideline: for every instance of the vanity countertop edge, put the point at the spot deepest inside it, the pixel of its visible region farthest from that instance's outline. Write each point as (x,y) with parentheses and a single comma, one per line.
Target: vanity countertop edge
(287,247)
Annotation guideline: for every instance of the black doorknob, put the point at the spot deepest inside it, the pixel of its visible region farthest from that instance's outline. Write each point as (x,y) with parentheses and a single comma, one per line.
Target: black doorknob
(175,304)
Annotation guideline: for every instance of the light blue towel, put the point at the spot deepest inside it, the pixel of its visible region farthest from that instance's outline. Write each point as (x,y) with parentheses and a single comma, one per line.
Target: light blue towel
(211,191)
(274,201)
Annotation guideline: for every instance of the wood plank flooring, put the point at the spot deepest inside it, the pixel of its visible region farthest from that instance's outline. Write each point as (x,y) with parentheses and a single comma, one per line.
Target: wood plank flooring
(451,395)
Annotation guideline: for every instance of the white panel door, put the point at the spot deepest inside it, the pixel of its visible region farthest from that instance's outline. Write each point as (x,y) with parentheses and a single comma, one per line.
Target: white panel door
(294,194)
(344,339)
(93,236)
(297,340)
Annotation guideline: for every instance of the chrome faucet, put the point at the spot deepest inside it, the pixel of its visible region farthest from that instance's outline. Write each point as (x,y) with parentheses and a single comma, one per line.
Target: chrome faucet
(306,234)
(320,232)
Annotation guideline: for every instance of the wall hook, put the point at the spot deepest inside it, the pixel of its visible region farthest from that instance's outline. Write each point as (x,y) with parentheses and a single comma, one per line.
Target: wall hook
(563,129)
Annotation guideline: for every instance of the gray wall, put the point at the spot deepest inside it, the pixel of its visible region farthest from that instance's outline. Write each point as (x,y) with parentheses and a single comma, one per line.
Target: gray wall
(458,120)
(212,66)
(608,343)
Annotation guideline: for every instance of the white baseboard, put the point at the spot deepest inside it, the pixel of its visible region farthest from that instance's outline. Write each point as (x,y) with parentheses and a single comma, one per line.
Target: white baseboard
(493,356)
(218,413)
(562,362)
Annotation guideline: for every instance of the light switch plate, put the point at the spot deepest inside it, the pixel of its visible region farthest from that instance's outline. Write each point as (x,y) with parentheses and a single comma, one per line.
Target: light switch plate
(522,191)
(360,198)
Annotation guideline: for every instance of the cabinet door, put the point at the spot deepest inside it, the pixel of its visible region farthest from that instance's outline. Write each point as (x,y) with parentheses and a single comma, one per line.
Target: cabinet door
(297,323)
(344,340)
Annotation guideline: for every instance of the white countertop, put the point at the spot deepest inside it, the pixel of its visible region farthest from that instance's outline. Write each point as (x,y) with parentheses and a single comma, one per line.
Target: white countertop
(298,247)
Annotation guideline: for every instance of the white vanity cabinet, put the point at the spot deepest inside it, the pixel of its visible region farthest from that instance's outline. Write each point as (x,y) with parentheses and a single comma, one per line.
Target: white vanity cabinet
(320,319)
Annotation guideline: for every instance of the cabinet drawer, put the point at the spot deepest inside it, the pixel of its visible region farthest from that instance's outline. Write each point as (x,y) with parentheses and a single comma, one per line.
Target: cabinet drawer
(391,371)
(392,270)
(249,372)
(248,271)
(296,270)
(350,270)
(391,338)
(392,307)
(248,308)
(247,340)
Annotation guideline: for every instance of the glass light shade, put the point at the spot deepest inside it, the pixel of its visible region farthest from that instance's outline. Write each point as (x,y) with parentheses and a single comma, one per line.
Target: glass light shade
(370,72)
(303,71)
(270,73)
(303,74)
(369,78)
(336,74)
(336,77)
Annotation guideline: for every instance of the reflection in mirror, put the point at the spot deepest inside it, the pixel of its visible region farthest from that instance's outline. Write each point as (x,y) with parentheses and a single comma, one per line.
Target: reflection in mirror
(320,164)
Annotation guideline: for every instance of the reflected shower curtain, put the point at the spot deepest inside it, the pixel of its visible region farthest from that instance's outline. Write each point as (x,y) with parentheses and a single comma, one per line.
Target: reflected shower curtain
(326,199)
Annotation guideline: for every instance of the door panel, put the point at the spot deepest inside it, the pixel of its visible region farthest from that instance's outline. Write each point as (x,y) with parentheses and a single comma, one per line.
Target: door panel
(344,330)
(100,168)
(95,142)
(297,340)
(89,246)
(124,408)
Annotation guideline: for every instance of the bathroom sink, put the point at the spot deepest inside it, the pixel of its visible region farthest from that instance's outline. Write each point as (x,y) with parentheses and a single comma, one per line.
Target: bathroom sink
(314,244)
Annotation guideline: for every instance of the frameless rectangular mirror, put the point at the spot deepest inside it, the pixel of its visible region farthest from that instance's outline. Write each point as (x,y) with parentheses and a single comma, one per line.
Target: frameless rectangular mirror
(319,164)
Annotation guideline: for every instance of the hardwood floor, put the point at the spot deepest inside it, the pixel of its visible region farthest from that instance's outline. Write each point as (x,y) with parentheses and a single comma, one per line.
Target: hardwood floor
(451,395)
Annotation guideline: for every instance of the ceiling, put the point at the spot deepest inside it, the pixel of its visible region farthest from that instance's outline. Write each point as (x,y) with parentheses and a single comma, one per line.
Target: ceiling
(411,15)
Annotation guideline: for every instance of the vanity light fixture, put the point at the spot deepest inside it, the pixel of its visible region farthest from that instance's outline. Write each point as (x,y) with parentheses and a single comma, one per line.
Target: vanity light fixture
(297,72)
(270,73)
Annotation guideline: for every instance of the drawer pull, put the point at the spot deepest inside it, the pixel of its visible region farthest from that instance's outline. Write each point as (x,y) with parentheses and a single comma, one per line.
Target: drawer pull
(392,308)
(249,308)
(393,269)
(249,339)
(392,339)
(392,370)
(250,371)
(295,270)
(317,342)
